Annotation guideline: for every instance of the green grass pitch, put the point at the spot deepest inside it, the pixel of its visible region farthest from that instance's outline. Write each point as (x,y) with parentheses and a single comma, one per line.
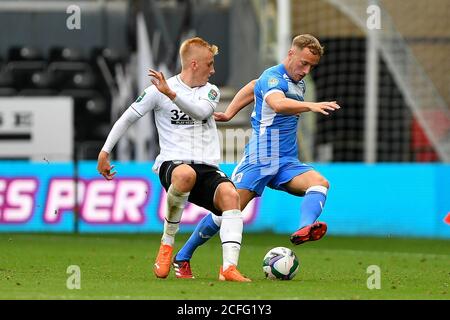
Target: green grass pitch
(34,266)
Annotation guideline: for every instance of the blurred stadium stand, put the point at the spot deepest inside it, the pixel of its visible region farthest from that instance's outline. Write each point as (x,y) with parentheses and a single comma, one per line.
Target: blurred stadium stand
(413,96)
(42,57)
(97,66)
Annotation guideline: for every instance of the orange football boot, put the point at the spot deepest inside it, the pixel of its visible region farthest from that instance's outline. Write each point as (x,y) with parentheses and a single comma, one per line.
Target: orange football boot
(232,274)
(163,261)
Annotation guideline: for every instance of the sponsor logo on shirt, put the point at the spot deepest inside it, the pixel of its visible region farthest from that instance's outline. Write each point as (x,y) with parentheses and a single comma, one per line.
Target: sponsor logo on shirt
(180,118)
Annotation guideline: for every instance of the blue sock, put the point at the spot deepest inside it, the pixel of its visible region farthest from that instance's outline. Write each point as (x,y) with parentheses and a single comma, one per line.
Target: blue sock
(205,230)
(312,205)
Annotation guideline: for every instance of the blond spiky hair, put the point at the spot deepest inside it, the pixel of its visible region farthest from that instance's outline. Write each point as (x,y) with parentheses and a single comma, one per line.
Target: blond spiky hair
(188,44)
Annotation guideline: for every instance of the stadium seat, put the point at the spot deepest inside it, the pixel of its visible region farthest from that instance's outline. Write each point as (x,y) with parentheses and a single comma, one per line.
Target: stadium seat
(44,80)
(25,54)
(65,54)
(64,71)
(110,54)
(96,106)
(22,71)
(82,119)
(83,80)
(90,110)
(86,102)
(22,62)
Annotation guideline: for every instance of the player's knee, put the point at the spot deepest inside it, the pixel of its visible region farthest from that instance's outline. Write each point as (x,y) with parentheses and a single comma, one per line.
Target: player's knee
(232,196)
(228,197)
(184,178)
(321,181)
(325,183)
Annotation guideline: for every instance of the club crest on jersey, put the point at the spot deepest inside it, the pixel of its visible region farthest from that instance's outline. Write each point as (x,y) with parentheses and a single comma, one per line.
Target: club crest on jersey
(141,97)
(212,94)
(272,82)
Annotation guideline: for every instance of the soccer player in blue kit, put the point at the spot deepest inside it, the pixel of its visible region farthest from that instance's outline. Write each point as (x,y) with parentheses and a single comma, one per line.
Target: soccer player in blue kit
(271,156)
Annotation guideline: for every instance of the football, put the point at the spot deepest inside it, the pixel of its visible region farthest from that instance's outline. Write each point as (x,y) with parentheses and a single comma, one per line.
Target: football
(280,263)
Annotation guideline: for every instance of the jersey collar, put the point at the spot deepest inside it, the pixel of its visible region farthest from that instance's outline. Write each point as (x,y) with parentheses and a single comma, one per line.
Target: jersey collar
(182,83)
(285,74)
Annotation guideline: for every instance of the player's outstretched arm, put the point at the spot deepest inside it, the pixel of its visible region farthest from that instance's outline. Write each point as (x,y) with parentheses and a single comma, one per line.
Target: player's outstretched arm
(104,167)
(240,101)
(118,130)
(280,104)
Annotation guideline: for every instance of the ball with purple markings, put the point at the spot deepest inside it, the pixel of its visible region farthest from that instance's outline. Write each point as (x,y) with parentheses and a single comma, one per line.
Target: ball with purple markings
(280,263)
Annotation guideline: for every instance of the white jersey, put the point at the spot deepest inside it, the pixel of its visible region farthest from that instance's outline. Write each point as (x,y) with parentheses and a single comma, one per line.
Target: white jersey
(180,136)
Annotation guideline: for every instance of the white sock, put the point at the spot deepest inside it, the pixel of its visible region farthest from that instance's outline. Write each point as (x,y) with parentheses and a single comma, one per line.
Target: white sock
(217,219)
(176,201)
(231,236)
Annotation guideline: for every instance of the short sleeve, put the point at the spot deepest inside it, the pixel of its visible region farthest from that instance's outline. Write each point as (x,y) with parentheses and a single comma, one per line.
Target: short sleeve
(272,82)
(146,101)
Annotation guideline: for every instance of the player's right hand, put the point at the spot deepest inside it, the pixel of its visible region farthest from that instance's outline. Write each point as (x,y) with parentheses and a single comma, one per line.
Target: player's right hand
(104,167)
(161,84)
(323,107)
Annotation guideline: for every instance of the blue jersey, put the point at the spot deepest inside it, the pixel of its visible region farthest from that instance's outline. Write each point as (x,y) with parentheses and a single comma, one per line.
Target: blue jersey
(271,156)
(274,134)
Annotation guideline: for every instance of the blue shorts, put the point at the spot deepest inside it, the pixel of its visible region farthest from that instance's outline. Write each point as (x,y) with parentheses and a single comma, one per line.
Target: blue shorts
(256,176)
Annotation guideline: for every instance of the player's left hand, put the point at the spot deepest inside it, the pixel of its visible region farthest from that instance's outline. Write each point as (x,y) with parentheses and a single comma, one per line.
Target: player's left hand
(161,84)
(221,117)
(324,107)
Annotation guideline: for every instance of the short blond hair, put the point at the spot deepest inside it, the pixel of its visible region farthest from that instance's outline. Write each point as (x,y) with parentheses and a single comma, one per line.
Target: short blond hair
(198,42)
(310,42)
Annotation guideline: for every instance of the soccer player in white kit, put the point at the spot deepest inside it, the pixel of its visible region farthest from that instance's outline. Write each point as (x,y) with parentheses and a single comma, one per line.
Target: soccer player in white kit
(190,152)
